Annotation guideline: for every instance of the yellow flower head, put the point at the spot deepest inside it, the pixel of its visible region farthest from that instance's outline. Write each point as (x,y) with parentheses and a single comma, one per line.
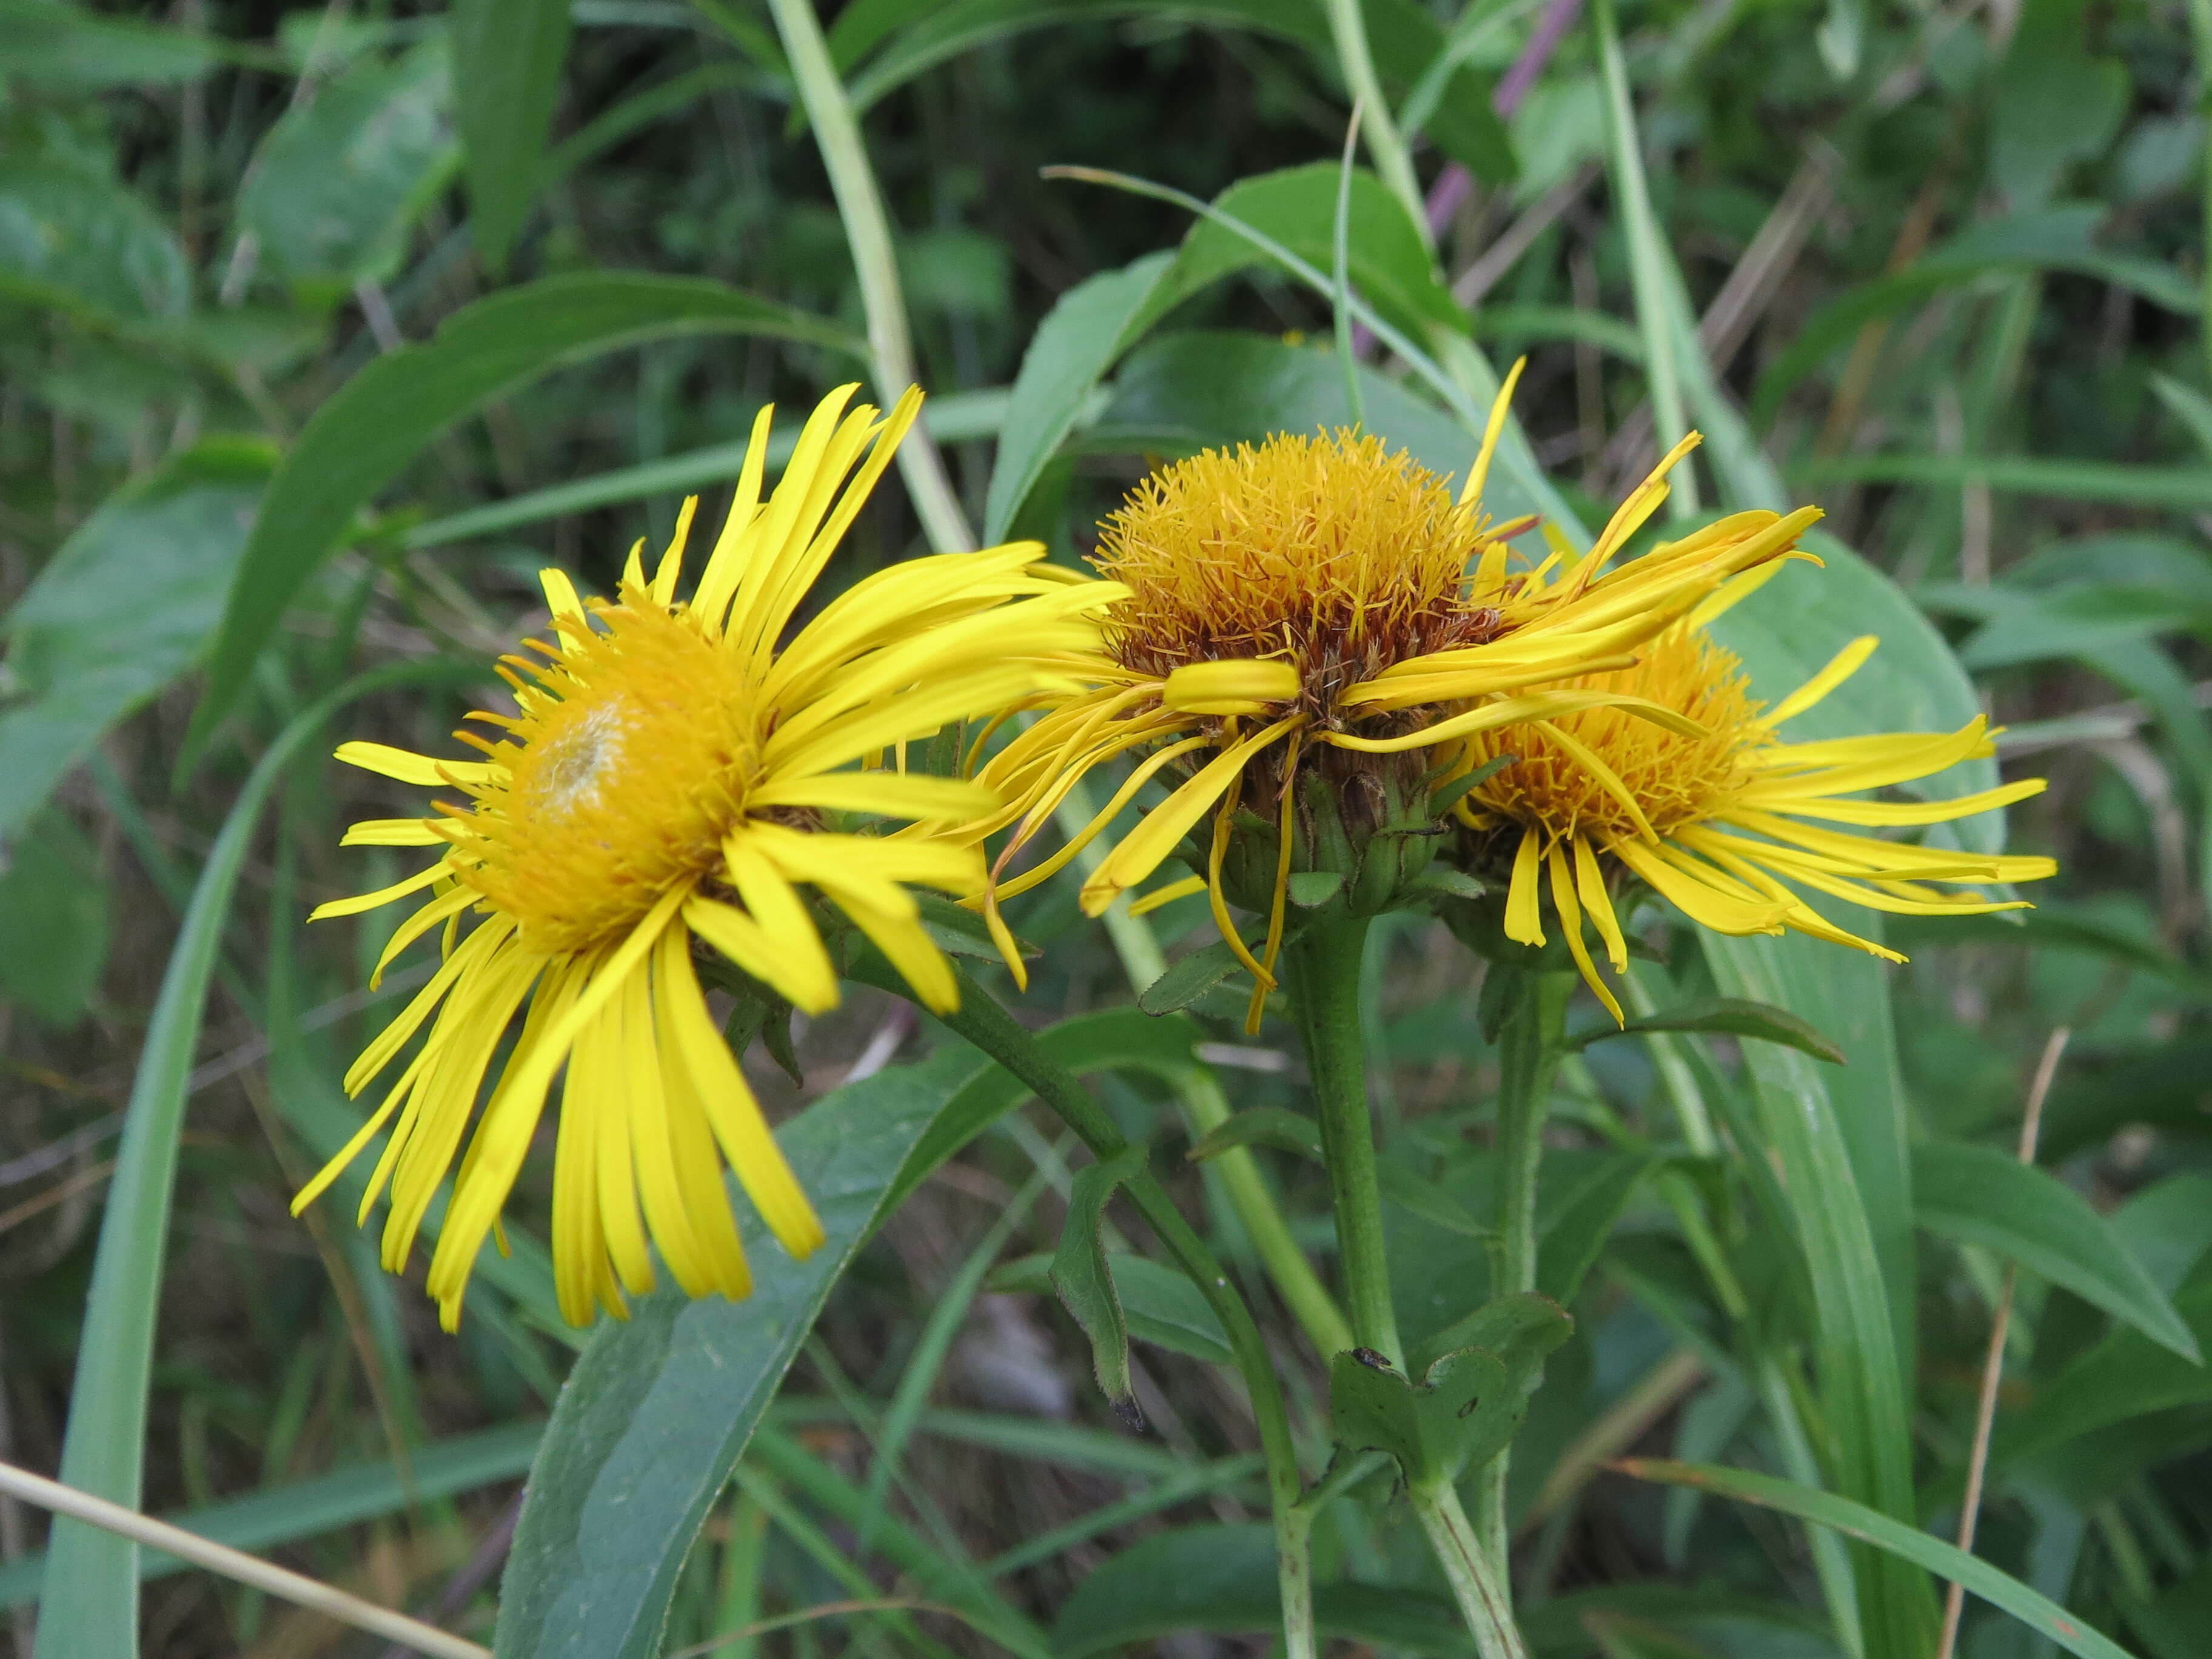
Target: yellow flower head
(669,776)
(1719,819)
(1324,606)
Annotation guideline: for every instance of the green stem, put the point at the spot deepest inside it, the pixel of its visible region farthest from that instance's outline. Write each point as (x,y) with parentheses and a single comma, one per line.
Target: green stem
(1205,1109)
(868,232)
(1349,28)
(1479,1589)
(1529,1055)
(981,1021)
(1322,969)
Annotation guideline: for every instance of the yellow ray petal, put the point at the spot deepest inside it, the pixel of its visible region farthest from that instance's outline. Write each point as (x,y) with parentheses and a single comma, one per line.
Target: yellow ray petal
(1143,849)
(1524,918)
(1570,924)
(1844,664)
(1167,895)
(1478,476)
(732,1113)
(1590,881)
(891,794)
(391,832)
(408,767)
(1246,686)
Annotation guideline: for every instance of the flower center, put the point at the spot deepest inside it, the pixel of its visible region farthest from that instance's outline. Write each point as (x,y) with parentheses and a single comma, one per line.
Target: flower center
(627,764)
(1332,551)
(1676,779)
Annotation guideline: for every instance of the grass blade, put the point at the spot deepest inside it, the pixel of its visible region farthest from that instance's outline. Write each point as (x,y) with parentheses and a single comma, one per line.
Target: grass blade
(1881,1532)
(81,1615)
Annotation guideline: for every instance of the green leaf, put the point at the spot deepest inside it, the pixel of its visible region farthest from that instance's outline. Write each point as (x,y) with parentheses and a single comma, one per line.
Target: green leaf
(1161,1304)
(1117,1039)
(2183,488)
(1295,1133)
(364,436)
(82,659)
(1574,1234)
(1471,1398)
(658,1410)
(1311,889)
(1731,1015)
(1390,264)
(66,48)
(1085,1285)
(103,1450)
(1087,329)
(77,240)
(1183,392)
(1906,1543)
(337,184)
(2126,1375)
(1222,1578)
(1979,1195)
(301,1510)
(53,921)
(1191,977)
(1261,1125)
(507,75)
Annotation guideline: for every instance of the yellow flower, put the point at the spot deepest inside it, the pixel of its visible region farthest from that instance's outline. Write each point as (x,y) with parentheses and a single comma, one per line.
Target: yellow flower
(1719,819)
(1325,605)
(667,778)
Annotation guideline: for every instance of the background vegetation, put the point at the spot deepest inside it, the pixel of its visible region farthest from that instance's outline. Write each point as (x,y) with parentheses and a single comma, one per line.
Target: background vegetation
(1937,266)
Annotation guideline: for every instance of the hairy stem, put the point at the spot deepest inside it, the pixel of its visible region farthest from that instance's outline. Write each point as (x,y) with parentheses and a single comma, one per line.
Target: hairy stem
(1323,971)
(983,1022)
(868,232)
(1529,1054)
(1477,1586)
(1205,1109)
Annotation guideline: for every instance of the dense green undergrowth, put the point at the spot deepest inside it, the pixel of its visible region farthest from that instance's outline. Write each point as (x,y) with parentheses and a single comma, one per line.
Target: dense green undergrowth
(322,329)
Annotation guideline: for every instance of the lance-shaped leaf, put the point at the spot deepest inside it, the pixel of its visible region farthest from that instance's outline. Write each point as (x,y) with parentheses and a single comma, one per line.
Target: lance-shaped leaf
(1085,1282)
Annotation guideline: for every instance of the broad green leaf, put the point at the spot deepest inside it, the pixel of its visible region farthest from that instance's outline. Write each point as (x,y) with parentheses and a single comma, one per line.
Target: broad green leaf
(53,921)
(103,1450)
(364,436)
(507,75)
(301,1510)
(79,241)
(1391,267)
(1073,346)
(1729,1015)
(1222,1578)
(1980,1196)
(1880,1531)
(81,655)
(1085,1284)
(337,184)
(659,1409)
